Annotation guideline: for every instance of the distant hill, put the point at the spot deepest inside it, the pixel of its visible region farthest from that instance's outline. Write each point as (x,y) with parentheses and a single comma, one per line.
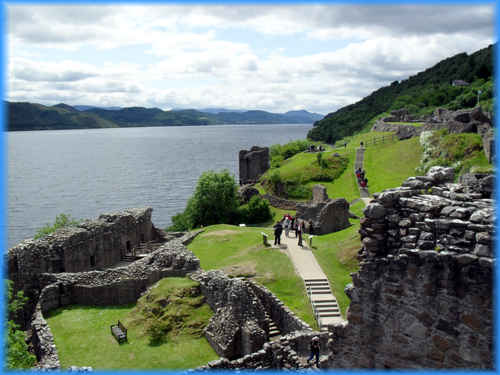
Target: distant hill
(420,94)
(30,116)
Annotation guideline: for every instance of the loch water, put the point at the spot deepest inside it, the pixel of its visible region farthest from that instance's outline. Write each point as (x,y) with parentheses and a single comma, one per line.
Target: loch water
(84,173)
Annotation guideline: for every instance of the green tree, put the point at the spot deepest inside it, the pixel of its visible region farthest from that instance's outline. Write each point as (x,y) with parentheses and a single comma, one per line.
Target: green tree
(258,210)
(18,355)
(215,201)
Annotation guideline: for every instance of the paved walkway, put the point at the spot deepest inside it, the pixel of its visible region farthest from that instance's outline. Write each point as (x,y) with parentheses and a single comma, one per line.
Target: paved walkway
(323,302)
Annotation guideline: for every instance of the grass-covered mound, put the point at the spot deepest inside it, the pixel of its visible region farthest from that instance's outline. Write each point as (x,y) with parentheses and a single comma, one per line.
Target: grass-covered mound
(82,333)
(386,164)
(463,151)
(295,176)
(239,251)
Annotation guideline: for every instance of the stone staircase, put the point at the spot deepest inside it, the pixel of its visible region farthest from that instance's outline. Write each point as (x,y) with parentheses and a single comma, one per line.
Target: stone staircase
(274,331)
(323,302)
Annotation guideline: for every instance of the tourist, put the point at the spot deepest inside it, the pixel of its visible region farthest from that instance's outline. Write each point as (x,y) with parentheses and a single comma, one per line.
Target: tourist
(298,232)
(286,224)
(311,229)
(366,182)
(278,228)
(314,350)
(292,224)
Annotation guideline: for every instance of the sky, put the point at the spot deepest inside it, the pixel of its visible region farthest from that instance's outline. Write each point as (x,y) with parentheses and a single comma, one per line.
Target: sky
(317,57)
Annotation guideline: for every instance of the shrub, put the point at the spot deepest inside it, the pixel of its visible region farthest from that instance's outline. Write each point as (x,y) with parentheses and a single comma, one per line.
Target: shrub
(18,355)
(258,210)
(61,221)
(215,201)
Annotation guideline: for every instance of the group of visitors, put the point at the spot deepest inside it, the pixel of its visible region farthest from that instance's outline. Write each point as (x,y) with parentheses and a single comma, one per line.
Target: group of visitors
(362,180)
(288,223)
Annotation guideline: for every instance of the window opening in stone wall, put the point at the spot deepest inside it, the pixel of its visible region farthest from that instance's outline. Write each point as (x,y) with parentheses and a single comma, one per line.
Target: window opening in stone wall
(92,261)
(129,247)
(142,237)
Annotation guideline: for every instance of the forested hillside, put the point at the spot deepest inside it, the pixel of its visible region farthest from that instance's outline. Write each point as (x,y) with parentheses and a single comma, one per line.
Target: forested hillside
(31,116)
(420,94)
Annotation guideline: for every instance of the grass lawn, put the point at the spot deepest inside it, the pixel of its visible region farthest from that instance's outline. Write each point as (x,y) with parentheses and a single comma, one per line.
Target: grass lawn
(239,251)
(82,336)
(388,165)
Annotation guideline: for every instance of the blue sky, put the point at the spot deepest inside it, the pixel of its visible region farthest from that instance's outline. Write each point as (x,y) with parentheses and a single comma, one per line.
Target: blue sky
(317,57)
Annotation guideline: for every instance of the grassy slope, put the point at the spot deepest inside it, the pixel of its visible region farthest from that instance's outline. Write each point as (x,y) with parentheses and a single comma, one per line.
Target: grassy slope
(82,336)
(239,251)
(389,165)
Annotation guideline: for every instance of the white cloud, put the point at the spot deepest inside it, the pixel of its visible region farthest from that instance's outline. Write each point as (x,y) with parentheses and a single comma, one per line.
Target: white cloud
(175,56)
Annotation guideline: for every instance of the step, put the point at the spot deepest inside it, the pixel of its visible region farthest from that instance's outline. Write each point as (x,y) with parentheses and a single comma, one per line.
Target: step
(326,315)
(316,287)
(315,280)
(324,301)
(325,292)
(326,310)
(274,332)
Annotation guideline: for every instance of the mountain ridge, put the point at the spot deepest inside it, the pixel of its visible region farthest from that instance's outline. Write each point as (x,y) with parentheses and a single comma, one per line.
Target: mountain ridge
(33,116)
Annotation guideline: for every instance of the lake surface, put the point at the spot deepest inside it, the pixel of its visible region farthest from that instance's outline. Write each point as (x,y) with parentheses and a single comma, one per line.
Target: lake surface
(85,173)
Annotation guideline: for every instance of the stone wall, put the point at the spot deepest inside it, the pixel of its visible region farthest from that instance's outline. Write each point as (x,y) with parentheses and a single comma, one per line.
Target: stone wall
(118,286)
(253,163)
(277,202)
(422,297)
(281,354)
(240,325)
(328,216)
(90,245)
(284,318)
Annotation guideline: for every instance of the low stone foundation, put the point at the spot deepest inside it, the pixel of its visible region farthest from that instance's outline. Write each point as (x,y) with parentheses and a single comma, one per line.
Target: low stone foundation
(242,308)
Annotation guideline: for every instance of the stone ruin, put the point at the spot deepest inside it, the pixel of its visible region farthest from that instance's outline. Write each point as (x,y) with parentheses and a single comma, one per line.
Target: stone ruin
(91,245)
(243,309)
(326,215)
(461,121)
(243,312)
(253,164)
(422,297)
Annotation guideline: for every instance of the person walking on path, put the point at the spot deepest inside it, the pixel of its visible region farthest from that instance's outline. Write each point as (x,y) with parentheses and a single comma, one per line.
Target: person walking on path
(314,350)
(299,232)
(286,224)
(278,228)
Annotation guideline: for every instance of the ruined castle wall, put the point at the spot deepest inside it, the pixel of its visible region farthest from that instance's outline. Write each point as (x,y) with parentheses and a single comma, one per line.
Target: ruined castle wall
(284,318)
(281,354)
(422,297)
(90,245)
(284,204)
(117,286)
(253,163)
